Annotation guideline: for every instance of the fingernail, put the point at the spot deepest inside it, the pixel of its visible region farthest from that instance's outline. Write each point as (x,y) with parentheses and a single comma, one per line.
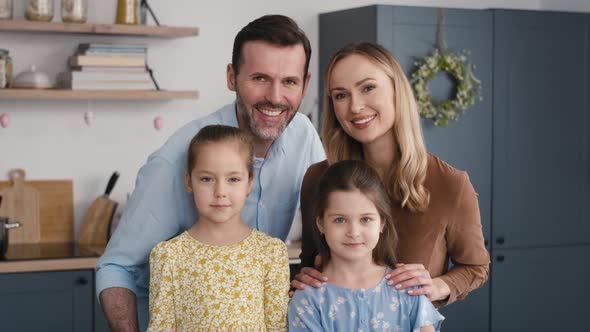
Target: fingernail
(398,286)
(390,282)
(325,278)
(410,292)
(387,276)
(317,284)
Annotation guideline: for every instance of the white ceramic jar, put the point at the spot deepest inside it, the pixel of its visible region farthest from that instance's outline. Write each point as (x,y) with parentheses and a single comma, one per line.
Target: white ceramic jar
(74,11)
(5,9)
(39,10)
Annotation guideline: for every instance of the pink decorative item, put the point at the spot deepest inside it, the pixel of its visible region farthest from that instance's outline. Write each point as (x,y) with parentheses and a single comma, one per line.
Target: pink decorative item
(4,120)
(158,122)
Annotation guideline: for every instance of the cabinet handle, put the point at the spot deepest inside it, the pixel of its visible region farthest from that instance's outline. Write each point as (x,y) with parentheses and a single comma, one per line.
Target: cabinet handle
(81,281)
(500,240)
(500,258)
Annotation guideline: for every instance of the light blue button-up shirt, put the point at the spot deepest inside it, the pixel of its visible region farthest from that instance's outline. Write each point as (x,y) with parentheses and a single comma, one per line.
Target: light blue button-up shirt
(160,207)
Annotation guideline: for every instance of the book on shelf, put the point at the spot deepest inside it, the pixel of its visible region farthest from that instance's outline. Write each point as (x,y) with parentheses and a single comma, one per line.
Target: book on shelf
(104,69)
(143,76)
(80,60)
(113,47)
(102,53)
(90,85)
(104,81)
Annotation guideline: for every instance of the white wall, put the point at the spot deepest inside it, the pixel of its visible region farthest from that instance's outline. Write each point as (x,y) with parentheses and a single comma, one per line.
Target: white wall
(50,140)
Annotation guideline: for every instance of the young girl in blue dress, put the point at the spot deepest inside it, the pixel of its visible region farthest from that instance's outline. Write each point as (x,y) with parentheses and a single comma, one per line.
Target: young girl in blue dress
(356,237)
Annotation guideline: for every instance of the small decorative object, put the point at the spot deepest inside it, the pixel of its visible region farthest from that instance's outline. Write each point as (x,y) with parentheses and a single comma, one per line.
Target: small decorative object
(39,10)
(158,122)
(88,117)
(5,9)
(32,79)
(5,68)
(4,120)
(467,85)
(127,12)
(74,11)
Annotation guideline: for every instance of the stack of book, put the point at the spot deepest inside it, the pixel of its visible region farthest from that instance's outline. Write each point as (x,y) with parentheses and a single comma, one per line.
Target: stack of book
(107,67)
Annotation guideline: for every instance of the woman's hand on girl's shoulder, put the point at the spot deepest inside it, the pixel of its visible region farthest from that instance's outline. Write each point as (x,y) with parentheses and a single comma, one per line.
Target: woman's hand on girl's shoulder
(308,276)
(409,275)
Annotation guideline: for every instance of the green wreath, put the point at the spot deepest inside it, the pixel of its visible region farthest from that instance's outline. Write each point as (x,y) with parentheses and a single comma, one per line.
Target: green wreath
(467,87)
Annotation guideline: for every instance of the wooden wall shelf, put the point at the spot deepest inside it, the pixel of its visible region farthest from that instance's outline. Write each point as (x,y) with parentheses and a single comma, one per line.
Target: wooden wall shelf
(98,29)
(58,94)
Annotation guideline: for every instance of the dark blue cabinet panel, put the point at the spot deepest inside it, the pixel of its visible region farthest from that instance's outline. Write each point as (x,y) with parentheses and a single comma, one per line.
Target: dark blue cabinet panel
(50,301)
(541,289)
(541,129)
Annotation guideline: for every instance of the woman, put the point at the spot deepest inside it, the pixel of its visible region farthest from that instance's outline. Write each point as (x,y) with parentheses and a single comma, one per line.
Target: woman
(370,114)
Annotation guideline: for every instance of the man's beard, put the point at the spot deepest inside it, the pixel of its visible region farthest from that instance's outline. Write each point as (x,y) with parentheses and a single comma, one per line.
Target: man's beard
(252,125)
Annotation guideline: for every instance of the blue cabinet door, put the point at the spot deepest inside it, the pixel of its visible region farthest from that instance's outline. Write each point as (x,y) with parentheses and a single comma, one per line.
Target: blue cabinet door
(541,129)
(540,289)
(47,301)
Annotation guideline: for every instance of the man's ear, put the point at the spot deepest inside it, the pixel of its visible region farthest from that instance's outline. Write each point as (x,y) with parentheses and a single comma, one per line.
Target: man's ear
(187,183)
(231,77)
(307,78)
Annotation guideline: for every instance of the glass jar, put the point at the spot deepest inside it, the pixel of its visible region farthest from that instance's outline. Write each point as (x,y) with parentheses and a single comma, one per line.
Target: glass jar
(5,68)
(127,12)
(39,10)
(74,11)
(5,9)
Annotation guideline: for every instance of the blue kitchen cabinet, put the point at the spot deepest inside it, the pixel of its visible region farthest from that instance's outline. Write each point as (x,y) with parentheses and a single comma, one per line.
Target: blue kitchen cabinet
(541,172)
(540,289)
(47,301)
(525,147)
(541,129)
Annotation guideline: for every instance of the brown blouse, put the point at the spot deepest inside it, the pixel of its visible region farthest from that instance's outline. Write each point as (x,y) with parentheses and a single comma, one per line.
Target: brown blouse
(449,228)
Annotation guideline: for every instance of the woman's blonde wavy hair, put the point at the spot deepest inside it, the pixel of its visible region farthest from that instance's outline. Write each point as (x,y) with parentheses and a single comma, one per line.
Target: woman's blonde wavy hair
(408,172)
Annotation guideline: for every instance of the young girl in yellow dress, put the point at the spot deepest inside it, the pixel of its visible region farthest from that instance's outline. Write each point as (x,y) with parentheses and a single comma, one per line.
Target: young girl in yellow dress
(219,275)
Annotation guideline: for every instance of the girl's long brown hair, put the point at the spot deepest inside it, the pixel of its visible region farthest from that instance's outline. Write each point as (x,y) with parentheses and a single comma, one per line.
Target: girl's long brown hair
(350,175)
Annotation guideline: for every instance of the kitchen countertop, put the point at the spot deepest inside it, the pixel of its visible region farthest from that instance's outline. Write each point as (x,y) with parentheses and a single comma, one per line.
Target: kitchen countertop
(49,257)
(71,256)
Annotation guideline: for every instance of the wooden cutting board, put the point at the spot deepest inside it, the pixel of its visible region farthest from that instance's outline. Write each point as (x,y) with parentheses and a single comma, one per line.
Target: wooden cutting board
(96,224)
(21,203)
(56,209)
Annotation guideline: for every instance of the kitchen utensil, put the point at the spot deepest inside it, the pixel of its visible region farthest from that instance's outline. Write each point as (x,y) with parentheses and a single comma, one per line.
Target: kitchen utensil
(56,209)
(127,12)
(31,79)
(21,202)
(97,222)
(5,225)
(74,11)
(39,10)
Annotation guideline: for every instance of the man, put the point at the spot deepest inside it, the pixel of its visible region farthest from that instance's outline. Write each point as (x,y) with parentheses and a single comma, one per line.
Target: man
(269,73)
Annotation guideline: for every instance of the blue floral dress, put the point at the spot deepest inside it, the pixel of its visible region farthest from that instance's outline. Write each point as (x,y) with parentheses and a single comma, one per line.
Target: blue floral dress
(381,308)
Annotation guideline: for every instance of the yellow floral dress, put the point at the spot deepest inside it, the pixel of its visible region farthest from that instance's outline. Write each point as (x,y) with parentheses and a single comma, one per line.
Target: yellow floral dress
(200,287)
